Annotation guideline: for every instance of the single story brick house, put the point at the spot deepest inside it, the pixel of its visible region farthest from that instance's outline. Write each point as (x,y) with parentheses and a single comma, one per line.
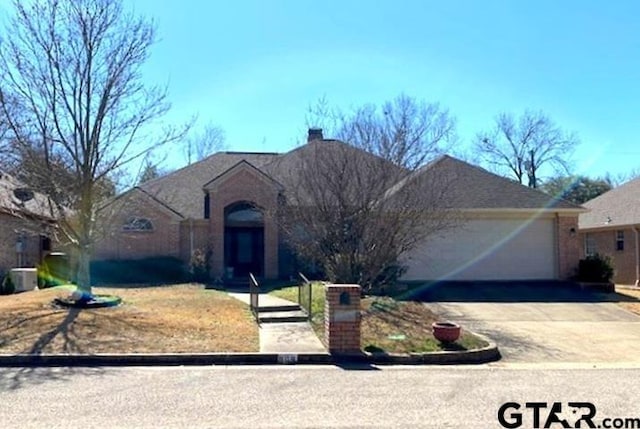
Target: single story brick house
(25,225)
(610,227)
(511,232)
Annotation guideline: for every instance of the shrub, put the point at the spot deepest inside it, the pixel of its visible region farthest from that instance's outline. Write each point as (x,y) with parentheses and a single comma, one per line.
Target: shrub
(595,268)
(386,282)
(200,265)
(163,269)
(7,287)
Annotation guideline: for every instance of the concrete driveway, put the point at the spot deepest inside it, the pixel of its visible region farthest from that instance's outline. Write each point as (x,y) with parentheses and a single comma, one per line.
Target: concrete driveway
(590,328)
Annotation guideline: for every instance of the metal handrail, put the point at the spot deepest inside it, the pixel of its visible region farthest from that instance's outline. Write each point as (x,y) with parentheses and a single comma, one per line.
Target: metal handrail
(305,302)
(254,293)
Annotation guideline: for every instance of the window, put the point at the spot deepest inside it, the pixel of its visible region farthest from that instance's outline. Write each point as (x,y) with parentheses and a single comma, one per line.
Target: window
(620,240)
(45,243)
(207,201)
(137,224)
(589,245)
(243,214)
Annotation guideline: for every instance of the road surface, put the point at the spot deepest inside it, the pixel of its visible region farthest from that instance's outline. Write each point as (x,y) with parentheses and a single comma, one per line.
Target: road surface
(305,396)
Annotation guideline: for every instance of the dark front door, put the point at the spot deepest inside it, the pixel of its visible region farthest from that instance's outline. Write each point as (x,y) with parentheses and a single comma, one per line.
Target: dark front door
(244,250)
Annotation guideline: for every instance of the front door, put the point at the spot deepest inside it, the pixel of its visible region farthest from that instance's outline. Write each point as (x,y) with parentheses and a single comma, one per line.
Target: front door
(244,251)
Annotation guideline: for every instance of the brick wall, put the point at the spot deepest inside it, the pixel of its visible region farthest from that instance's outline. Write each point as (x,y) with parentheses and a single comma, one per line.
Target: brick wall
(114,243)
(243,184)
(11,228)
(342,320)
(624,261)
(198,229)
(568,245)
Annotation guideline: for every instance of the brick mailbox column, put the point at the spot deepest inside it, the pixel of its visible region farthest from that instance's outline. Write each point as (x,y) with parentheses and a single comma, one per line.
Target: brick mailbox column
(342,318)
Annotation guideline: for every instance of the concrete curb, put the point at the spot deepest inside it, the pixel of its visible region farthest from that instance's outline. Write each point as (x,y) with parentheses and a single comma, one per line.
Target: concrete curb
(484,355)
(490,353)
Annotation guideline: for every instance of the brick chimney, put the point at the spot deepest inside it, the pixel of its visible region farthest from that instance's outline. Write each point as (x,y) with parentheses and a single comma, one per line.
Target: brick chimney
(314,134)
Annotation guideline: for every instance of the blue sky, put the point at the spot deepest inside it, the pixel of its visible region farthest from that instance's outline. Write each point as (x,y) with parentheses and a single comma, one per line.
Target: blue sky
(253,67)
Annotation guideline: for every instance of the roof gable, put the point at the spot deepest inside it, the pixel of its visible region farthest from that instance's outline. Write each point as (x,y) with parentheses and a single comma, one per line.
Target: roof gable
(182,189)
(615,208)
(242,165)
(138,192)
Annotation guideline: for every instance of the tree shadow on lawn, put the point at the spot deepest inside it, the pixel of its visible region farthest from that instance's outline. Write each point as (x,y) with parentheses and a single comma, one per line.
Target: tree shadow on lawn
(65,329)
(13,378)
(72,331)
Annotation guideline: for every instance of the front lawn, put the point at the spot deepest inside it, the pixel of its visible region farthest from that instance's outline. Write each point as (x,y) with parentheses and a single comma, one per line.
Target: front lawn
(169,319)
(388,325)
(630,299)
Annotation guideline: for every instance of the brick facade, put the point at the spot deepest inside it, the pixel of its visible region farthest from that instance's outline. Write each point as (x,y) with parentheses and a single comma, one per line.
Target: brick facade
(243,183)
(177,237)
(13,228)
(162,240)
(605,243)
(568,242)
(342,318)
(194,235)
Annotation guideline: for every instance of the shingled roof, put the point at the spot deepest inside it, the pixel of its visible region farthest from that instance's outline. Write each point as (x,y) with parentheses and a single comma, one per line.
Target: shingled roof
(472,187)
(37,206)
(616,208)
(285,167)
(182,189)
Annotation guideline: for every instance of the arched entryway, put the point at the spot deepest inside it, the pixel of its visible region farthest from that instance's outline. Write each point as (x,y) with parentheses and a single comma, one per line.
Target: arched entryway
(243,240)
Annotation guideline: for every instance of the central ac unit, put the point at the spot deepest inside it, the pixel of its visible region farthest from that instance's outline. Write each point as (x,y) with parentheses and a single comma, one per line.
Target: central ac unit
(24,279)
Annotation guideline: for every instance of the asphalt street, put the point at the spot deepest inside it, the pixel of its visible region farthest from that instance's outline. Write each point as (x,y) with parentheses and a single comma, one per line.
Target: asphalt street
(307,396)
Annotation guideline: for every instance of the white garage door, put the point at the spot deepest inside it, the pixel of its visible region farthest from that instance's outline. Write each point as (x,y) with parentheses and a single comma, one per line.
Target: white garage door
(487,249)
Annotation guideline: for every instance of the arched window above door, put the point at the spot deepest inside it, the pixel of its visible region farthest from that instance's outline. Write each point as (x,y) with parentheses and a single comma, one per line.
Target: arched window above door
(243,214)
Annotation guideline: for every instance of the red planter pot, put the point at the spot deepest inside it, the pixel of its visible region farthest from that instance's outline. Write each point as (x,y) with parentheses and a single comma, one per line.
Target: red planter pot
(446,332)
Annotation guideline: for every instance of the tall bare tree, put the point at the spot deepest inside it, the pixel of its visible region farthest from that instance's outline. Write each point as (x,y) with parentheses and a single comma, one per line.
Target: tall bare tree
(405,131)
(77,106)
(522,146)
(356,215)
(202,144)
(356,207)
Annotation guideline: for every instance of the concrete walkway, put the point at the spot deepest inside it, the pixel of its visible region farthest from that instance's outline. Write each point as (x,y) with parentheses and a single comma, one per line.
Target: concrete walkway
(292,337)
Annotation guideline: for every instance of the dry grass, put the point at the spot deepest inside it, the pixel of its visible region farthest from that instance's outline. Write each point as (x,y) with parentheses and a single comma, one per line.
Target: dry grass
(388,325)
(633,303)
(170,319)
(405,327)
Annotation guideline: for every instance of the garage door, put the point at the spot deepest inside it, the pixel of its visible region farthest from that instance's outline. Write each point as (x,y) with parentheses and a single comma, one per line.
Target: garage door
(487,249)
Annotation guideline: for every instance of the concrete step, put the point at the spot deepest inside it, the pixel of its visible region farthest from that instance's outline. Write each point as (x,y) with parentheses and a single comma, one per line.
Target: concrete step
(282,316)
(278,308)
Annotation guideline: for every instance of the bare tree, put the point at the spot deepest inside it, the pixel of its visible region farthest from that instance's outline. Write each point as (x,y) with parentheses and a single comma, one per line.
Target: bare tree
(76,105)
(524,145)
(202,144)
(404,131)
(356,208)
(355,214)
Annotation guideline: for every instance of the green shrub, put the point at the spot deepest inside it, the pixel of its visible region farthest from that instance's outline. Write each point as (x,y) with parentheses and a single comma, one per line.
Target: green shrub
(163,269)
(595,268)
(7,287)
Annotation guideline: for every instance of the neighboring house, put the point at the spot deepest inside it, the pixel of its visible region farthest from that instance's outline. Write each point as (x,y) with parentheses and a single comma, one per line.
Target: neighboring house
(510,231)
(25,225)
(611,228)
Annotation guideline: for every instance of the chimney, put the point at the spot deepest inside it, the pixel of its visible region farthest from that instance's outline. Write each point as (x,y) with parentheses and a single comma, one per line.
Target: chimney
(314,134)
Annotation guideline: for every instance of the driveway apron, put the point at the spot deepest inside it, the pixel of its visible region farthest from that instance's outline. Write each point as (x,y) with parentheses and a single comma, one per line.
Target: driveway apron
(537,332)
